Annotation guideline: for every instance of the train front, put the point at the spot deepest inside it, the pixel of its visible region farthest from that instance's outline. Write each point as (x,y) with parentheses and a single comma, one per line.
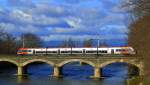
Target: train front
(22,51)
(127,50)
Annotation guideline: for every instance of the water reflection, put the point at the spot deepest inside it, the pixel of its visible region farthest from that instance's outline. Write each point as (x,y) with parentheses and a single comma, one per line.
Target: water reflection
(77,70)
(39,69)
(115,70)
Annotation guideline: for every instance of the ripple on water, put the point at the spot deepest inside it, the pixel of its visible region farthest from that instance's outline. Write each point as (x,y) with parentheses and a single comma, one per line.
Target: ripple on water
(73,75)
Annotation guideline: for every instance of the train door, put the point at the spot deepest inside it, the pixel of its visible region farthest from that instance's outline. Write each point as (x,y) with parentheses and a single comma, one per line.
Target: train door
(58,51)
(84,51)
(112,51)
(33,52)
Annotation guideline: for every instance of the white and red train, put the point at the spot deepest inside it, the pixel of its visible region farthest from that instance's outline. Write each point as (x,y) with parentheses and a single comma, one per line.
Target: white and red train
(102,50)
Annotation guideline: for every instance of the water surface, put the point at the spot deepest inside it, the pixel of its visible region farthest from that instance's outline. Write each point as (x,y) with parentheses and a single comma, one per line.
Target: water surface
(73,74)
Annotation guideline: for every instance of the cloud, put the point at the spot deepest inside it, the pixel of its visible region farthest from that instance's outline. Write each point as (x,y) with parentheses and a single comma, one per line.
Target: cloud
(12,28)
(74,1)
(82,37)
(22,3)
(78,19)
(73,21)
(115,29)
(30,29)
(8,27)
(20,16)
(23,17)
(47,9)
(126,7)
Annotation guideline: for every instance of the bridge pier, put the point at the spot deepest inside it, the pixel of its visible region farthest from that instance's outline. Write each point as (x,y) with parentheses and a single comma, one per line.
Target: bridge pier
(20,70)
(97,72)
(80,62)
(56,72)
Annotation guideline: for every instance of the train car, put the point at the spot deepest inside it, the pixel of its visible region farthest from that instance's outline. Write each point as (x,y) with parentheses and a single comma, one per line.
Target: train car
(65,50)
(39,51)
(77,51)
(25,51)
(52,51)
(102,50)
(122,50)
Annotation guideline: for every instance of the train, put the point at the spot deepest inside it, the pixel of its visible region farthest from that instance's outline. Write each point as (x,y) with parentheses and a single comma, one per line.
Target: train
(92,50)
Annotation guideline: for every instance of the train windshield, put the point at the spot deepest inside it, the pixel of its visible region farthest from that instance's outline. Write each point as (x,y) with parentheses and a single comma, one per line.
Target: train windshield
(24,50)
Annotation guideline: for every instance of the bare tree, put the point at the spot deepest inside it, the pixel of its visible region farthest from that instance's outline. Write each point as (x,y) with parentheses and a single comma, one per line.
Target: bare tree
(64,44)
(103,44)
(1,32)
(7,44)
(140,8)
(31,40)
(71,42)
(139,36)
(88,43)
(68,43)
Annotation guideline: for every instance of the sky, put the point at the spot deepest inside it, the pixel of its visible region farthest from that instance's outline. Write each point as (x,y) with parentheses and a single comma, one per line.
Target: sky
(58,20)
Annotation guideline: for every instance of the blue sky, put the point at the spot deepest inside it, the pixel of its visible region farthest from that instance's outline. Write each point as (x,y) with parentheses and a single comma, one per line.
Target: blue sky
(55,20)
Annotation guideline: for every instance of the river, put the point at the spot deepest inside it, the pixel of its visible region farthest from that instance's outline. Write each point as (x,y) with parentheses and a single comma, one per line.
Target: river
(73,74)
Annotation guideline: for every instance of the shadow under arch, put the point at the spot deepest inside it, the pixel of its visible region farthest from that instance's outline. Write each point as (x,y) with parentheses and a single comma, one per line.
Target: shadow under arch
(76,60)
(9,61)
(78,68)
(8,67)
(130,65)
(37,60)
(33,67)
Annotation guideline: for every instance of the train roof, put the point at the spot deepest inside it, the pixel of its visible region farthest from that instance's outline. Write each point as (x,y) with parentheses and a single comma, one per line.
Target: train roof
(77,47)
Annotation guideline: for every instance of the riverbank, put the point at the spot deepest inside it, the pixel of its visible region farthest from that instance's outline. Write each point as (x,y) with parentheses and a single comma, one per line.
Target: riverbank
(134,81)
(139,81)
(147,81)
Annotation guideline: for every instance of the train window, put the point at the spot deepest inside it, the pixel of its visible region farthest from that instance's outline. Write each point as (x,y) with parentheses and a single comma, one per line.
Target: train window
(40,51)
(65,51)
(118,49)
(29,50)
(102,51)
(24,50)
(51,51)
(19,50)
(121,49)
(91,51)
(76,51)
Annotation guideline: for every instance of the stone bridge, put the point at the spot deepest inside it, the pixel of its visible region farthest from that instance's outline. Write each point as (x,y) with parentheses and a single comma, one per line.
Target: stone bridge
(57,61)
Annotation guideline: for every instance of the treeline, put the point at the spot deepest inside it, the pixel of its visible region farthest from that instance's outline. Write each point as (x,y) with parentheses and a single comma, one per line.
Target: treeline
(82,43)
(7,43)
(74,43)
(10,44)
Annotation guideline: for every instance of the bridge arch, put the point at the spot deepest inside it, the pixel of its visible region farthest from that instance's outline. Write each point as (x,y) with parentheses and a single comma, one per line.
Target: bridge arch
(37,60)
(120,61)
(139,66)
(9,61)
(76,60)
